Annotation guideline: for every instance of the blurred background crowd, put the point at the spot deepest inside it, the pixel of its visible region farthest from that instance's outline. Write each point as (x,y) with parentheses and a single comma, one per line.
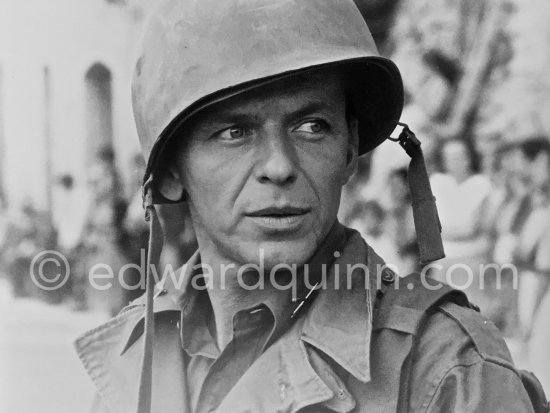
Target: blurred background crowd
(477,95)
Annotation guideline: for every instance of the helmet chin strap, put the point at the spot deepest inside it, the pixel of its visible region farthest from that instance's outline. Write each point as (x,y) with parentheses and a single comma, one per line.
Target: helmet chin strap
(426,219)
(156,239)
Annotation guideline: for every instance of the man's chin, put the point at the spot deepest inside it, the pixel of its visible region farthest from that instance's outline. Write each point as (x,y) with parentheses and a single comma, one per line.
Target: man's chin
(272,255)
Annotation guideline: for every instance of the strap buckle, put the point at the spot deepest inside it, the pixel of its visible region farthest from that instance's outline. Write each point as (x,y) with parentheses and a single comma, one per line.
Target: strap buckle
(147,196)
(407,140)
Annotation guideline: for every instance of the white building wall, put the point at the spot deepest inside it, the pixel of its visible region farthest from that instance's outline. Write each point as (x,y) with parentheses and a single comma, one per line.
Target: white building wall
(68,37)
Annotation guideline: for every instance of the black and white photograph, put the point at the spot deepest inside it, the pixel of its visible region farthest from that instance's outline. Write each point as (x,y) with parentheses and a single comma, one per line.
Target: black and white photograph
(274,206)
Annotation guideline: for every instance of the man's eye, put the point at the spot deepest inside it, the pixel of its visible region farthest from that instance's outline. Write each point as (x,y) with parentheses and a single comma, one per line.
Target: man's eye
(314,126)
(233,133)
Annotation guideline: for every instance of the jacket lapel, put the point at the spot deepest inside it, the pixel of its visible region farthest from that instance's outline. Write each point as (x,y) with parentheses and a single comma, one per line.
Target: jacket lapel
(116,376)
(339,322)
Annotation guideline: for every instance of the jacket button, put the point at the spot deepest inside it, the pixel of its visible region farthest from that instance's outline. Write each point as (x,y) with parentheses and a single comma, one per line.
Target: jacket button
(282,390)
(388,276)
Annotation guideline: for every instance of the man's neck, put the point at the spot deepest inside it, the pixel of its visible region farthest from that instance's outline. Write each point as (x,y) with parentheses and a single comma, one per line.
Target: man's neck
(231,292)
(461,177)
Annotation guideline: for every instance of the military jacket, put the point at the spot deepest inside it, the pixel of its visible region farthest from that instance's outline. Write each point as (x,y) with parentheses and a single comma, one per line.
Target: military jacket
(385,348)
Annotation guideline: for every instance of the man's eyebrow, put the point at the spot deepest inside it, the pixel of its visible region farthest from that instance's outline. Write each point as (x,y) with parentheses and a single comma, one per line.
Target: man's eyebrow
(217,119)
(229,116)
(313,107)
(239,116)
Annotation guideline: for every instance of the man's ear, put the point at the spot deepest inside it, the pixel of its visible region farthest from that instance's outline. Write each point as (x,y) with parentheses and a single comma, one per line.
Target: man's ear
(352,149)
(171,185)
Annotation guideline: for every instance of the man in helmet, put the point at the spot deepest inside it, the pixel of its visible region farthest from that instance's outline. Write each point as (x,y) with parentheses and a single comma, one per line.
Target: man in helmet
(252,114)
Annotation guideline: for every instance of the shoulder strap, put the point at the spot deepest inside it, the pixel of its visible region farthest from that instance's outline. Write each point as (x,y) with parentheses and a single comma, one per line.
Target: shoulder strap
(403,302)
(402,307)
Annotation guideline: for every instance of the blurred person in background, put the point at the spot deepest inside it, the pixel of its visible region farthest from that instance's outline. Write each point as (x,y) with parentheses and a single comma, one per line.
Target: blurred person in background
(390,225)
(531,253)
(509,206)
(370,219)
(64,214)
(539,333)
(28,232)
(103,235)
(510,202)
(68,220)
(462,195)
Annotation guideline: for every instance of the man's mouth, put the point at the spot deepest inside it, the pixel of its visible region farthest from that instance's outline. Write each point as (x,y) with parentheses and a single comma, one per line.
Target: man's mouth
(279,212)
(278,219)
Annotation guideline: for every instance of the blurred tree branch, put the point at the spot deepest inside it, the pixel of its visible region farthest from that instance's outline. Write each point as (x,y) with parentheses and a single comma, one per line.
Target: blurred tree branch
(478,62)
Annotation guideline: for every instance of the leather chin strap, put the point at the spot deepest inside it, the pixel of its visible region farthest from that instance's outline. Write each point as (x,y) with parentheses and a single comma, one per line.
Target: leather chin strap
(156,239)
(426,222)
(426,219)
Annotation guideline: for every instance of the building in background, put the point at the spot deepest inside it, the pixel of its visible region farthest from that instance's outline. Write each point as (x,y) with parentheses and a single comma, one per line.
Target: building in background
(65,71)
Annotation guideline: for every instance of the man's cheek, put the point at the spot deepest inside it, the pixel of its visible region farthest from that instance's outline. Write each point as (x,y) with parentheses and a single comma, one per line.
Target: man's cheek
(332,174)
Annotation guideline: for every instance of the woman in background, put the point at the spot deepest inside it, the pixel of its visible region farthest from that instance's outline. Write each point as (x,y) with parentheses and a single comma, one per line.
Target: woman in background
(462,196)
(533,248)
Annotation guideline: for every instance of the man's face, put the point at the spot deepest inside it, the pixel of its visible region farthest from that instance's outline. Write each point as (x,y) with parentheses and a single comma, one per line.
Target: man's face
(264,170)
(456,158)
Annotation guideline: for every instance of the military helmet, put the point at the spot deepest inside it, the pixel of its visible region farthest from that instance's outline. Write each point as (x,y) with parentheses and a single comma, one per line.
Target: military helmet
(199,52)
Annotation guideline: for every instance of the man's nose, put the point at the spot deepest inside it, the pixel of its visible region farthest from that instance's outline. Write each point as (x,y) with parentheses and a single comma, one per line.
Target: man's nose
(276,162)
